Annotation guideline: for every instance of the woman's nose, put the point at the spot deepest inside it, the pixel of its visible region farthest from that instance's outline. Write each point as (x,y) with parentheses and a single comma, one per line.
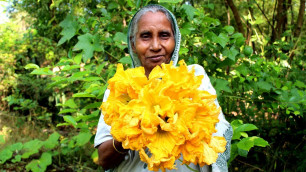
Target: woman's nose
(155,44)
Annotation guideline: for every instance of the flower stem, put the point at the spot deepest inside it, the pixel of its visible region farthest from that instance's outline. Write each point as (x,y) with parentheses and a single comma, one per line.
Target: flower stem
(189,167)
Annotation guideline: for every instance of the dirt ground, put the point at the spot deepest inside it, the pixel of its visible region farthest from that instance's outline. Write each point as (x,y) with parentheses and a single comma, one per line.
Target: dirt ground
(20,129)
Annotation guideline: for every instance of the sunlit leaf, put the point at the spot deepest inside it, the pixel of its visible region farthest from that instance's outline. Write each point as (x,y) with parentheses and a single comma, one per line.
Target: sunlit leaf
(260,142)
(222,39)
(126,60)
(245,144)
(70,103)
(42,71)
(83,95)
(264,85)
(170,1)
(229,29)
(88,43)
(248,50)
(52,141)
(31,66)
(70,27)
(2,139)
(82,138)
(5,155)
(70,120)
(67,111)
(189,10)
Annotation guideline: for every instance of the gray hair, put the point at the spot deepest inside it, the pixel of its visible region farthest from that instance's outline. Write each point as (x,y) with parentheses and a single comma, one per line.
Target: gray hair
(150,8)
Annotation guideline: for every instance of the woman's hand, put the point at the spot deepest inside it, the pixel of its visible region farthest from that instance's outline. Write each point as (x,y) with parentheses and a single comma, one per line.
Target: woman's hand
(111,154)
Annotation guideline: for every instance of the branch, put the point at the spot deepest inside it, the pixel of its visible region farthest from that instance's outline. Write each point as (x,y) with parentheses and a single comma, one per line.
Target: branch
(299,22)
(236,16)
(264,15)
(250,165)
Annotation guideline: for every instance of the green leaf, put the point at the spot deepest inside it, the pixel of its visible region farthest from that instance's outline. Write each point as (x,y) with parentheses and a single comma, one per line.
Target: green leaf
(229,29)
(112,5)
(2,139)
(120,37)
(231,53)
(15,147)
(70,67)
(88,43)
(70,103)
(46,159)
(189,10)
(92,78)
(243,70)
(222,85)
(41,164)
(31,66)
(70,27)
(222,39)
(70,120)
(120,40)
(33,166)
(238,39)
(260,142)
(170,1)
(236,136)
(52,141)
(42,71)
(264,85)
(95,156)
(82,138)
(93,105)
(80,74)
(234,152)
(236,123)
(83,95)
(244,134)
(16,159)
(248,50)
(242,152)
(5,155)
(67,111)
(126,60)
(211,6)
(245,144)
(55,4)
(31,147)
(245,127)
(77,59)
(299,84)
(183,51)
(99,68)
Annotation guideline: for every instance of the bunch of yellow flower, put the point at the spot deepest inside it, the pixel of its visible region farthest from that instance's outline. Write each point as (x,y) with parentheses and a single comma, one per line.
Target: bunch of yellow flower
(165,113)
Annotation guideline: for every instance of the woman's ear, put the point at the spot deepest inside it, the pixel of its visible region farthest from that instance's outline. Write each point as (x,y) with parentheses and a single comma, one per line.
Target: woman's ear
(132,44)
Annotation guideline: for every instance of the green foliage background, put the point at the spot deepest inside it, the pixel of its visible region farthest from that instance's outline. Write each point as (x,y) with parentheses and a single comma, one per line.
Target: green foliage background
(56,57)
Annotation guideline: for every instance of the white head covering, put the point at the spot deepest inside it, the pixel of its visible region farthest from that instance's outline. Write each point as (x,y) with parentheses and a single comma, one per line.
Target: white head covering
(177,36)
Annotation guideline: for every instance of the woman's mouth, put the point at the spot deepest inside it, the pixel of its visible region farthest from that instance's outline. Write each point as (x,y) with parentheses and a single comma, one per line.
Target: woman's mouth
(155,59)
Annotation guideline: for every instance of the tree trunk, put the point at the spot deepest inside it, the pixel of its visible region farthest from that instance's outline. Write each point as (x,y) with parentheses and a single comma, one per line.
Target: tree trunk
(279,18)
(285,18)
(299,22)
(228,14)
(291,10)
(236,16)
(274,32)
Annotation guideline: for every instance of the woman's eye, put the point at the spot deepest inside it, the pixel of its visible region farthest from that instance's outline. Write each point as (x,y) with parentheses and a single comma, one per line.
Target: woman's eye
(165,35)
(145,36)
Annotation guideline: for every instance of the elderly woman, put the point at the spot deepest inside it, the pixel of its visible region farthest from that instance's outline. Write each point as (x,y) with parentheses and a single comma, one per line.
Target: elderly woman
(153,39)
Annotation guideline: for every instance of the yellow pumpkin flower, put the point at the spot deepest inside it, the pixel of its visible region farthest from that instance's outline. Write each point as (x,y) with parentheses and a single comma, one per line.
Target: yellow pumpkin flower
(164,114)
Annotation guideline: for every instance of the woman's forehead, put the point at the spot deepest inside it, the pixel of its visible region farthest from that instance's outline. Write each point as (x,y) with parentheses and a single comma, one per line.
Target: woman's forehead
(153,20)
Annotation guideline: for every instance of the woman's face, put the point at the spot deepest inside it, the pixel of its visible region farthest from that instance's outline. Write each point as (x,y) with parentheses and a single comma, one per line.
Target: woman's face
(154,41)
